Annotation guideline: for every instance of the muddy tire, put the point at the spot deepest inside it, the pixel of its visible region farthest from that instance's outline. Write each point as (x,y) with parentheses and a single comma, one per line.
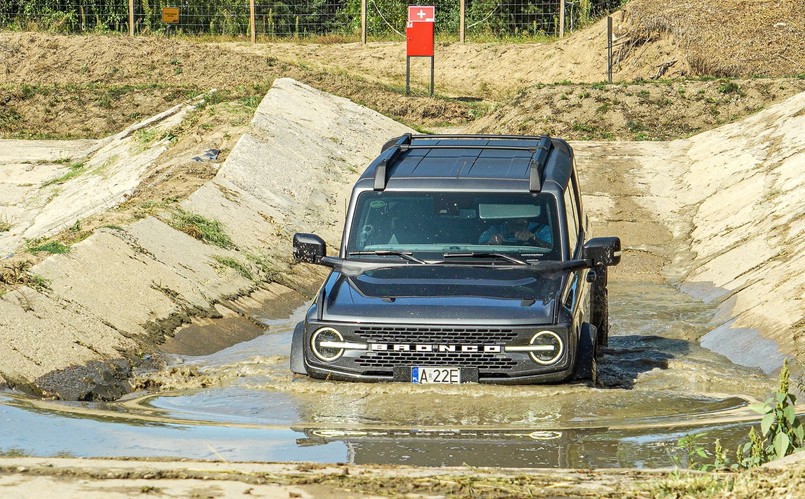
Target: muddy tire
(297,352)
(600,307)
(586,366)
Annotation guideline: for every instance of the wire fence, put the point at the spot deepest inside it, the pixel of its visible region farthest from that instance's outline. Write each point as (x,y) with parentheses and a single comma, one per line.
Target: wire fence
(384,18)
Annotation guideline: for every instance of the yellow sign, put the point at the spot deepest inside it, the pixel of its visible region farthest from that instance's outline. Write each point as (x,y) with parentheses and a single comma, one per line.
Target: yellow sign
(170,15)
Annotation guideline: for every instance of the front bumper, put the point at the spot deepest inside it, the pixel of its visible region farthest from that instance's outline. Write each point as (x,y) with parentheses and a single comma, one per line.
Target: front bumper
(382,352)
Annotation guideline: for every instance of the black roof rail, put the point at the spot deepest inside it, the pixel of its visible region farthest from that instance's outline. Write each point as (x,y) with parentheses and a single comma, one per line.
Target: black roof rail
(537,165)
(478,136)
(539,154)
(380,170)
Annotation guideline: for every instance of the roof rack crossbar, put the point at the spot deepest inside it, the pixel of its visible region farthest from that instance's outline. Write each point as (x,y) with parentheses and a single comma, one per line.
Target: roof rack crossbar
(382,166)
(532,149)
(478,136)
(537,164)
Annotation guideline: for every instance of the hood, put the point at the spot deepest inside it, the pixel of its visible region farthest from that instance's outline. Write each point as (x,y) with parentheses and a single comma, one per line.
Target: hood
(434,294)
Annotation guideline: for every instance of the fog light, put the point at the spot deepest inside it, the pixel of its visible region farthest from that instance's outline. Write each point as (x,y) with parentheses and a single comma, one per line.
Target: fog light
(550,347)
(321,342)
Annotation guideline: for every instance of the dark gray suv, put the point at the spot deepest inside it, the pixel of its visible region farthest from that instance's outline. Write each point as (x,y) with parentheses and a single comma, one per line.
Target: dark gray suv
(464,258)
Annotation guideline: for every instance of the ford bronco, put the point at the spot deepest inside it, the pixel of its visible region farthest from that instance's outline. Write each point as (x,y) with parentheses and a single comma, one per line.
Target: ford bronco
(464,258)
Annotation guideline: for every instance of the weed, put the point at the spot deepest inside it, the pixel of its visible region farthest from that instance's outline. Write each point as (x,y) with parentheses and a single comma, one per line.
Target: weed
(76,227)
(5,225)
(18,273)
(693,452)
(235,265)
(781,434)
(52,247)
(601,85)
(643,94)
(204,229)
(781,431)
(635,126)
(264,265)
(13,452)
(729,87)
(74,170)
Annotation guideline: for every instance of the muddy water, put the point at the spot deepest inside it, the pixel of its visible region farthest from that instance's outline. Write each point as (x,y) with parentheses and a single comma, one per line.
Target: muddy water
(656,385)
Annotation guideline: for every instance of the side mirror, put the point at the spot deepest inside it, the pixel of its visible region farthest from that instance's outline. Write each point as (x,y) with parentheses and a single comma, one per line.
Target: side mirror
(308,248)
(604,251)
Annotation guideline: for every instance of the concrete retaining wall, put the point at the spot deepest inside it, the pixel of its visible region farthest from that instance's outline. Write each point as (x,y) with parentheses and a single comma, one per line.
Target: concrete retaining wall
(117,293)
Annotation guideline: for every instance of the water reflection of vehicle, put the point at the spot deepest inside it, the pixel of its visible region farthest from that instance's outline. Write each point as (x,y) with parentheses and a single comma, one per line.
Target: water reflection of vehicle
(523,448)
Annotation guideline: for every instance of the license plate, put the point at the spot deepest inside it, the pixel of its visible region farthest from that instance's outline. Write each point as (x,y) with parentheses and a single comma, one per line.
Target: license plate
(447,375)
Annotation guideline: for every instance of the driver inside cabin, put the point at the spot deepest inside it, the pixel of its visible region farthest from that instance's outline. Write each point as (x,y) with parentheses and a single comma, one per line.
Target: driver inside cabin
(517,231)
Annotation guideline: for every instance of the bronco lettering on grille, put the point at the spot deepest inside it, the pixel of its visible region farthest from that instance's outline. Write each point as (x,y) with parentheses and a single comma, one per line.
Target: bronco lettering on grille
(409,347)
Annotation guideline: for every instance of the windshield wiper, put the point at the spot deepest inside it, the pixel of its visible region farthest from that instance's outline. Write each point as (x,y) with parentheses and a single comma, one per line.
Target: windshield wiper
(501,256)
(407,255)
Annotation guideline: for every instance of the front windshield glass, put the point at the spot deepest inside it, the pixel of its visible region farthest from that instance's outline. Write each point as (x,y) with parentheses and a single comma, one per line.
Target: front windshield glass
(428,225)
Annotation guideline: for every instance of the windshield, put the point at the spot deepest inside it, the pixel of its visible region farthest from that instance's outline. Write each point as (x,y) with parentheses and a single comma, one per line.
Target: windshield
(430,225)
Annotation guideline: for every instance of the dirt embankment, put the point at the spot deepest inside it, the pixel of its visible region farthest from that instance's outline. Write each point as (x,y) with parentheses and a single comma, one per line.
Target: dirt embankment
(121,289)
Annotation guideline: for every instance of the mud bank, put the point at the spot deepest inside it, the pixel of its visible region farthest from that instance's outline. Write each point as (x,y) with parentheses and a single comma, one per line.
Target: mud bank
(120,292)
(734,200)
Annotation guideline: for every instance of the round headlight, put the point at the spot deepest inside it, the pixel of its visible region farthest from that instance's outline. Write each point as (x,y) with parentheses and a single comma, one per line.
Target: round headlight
(551,349)
(319,344)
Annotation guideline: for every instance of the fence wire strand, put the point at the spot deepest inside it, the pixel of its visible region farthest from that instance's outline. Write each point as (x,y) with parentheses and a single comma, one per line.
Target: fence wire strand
(283,18)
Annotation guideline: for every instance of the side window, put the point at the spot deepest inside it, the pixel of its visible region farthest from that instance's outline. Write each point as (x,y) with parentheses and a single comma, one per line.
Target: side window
(572,218)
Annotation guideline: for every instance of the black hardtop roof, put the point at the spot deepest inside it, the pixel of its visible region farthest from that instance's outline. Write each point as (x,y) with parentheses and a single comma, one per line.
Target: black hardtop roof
(493,158)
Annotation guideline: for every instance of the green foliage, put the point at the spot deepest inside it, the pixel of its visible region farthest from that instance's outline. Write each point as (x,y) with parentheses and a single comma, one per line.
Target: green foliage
(74,170)
(235,265)
(693,452)
(781,433)
(297,17)
(52,247)
(17,272)
(729,87)
(204,229)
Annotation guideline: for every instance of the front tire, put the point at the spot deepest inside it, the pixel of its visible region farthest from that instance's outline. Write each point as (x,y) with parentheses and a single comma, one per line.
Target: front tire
(600,307)
(297,350)
(586,367)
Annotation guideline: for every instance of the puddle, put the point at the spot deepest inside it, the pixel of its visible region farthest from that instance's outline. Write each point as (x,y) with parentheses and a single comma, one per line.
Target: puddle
(242,404)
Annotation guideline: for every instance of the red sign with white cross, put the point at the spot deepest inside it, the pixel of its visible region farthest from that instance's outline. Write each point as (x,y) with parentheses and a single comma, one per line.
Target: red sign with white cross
(421,14)
(419,32)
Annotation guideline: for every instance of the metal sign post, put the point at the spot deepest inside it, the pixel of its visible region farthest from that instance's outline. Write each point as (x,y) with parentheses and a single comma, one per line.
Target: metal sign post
(419,40)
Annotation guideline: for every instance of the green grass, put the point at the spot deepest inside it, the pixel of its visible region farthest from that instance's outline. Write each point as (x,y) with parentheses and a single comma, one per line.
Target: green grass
(74,170)
(52,247)
(204,229)
(235,265)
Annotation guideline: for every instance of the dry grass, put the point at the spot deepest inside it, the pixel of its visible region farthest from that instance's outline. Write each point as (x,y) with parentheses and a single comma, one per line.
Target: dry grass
(725,38)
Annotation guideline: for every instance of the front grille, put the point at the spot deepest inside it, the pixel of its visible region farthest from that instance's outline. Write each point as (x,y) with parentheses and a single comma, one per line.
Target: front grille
(388,359)
(435,336)
(401,334)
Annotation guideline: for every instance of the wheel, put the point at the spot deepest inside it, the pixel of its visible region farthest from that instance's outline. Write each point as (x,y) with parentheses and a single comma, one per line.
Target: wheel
(600,306)
(586,367)
(297,352)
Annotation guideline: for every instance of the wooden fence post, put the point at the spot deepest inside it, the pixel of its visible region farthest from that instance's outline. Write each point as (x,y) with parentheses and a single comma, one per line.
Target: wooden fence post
(461,27)
(363,22)
(609,49)
(251,21)
(561,18)
(131,17)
